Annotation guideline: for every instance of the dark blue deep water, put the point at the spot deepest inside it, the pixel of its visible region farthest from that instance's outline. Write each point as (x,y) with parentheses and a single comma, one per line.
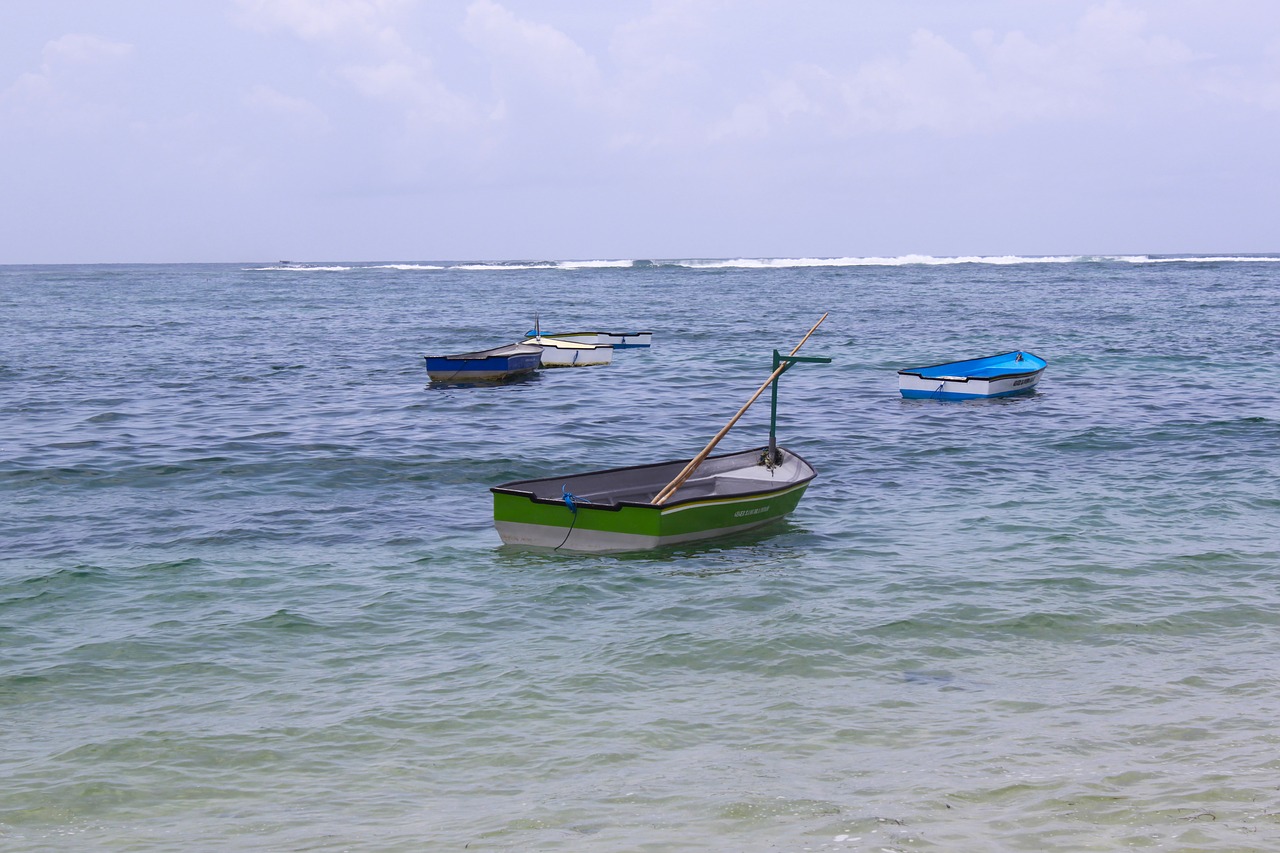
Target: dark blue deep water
(251,597)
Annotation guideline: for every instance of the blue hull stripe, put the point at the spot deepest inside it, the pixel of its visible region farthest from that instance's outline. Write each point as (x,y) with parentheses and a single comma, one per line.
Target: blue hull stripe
(947,395)
(517,362)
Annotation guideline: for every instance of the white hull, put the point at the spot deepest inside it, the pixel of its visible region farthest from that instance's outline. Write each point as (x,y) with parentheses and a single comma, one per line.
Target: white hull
(959,388)
(558,353)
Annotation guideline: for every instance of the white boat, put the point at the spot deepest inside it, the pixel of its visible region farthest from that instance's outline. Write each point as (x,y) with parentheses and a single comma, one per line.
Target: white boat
(1000,375)
(558,353)
(618,340)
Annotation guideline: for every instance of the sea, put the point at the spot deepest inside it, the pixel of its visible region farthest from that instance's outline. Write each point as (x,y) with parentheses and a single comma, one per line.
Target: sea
(252,599)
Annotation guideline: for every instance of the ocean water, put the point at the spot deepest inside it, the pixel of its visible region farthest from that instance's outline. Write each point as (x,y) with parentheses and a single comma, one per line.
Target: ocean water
(251,597)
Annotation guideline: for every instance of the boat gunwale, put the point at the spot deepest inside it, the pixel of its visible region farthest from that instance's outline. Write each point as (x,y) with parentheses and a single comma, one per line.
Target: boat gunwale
(554,343)
(969,378)
(575,334)
(515,349)
(616,506)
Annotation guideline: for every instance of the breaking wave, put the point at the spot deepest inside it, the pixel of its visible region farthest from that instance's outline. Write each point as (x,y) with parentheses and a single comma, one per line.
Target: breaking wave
(299,268)
(930,260)
(774,263)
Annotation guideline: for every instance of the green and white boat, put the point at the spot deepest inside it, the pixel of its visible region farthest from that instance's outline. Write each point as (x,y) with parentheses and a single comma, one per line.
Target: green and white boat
(668,503)
(614,510)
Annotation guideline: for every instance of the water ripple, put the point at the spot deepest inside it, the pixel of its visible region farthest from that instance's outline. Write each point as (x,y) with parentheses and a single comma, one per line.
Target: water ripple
(251,595)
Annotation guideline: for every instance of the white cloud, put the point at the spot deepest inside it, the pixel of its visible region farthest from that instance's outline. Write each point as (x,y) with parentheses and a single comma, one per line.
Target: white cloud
(524,54)
(409,85)
(936,86)
(299,112)
(671,82)
(337,21)
(71,90)
(1111,36)
(986,84)
(1252,87)
(79,49)
(376,59)
(655,50)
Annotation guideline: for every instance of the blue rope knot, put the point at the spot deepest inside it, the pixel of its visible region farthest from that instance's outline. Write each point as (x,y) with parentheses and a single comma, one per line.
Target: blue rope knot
(569,498)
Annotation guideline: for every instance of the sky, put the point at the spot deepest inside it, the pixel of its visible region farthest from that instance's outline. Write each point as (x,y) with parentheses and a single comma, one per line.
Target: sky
(139,131)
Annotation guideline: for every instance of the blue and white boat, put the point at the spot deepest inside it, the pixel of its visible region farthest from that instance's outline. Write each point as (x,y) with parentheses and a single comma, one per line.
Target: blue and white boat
(993,376)
(617,340)
(490,365)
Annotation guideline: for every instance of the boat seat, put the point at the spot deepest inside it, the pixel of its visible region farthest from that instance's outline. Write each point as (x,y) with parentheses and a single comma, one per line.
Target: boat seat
(999,370)
(612,498)
(703,487)
(739,485)
(696,488)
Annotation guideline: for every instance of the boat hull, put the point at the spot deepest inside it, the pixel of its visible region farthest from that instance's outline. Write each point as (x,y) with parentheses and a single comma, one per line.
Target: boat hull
(492,365)
(617,340)
(557,353)
(613,510)
(1003,375)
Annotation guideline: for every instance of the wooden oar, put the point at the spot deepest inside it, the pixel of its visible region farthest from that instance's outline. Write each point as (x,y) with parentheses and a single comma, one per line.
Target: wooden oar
(675,484)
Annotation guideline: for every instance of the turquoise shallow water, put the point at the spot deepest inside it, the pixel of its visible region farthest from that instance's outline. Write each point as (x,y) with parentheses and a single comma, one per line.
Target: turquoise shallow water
(251,597)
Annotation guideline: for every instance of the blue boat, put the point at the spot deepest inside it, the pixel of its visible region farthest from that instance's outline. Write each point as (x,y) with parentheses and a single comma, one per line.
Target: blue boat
(490,365)
(993,376)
